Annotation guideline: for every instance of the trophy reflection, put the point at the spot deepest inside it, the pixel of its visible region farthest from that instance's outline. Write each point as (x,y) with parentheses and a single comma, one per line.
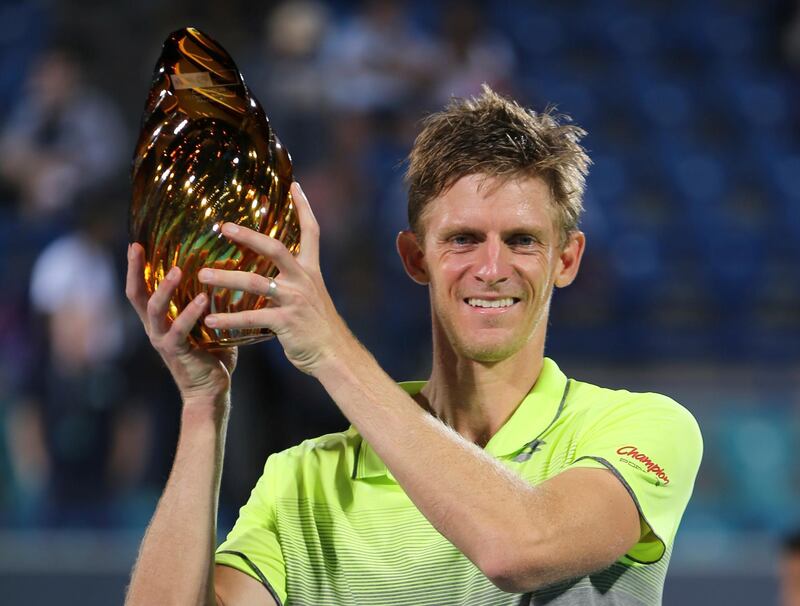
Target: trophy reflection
(206,155)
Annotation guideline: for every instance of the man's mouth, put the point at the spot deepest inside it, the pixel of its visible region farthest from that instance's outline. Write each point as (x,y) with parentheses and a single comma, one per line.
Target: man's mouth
(490,303)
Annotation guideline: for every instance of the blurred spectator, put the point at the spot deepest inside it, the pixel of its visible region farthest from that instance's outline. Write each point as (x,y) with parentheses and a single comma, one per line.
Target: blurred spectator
(790,571)
(378,61)
(472,54)
(791,33)
(62,138)
(75,439)
(285,74)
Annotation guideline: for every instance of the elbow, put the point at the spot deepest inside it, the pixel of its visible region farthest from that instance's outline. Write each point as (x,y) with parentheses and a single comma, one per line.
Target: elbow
(513,572)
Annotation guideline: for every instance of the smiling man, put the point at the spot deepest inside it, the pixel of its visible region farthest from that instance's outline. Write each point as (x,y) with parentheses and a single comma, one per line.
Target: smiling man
(498,480)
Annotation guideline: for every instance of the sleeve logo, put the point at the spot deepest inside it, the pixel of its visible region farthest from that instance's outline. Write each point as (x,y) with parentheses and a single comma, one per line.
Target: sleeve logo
(633,453)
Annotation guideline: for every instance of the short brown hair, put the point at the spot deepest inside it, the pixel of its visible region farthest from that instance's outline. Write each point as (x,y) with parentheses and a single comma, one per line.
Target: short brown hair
(495,136)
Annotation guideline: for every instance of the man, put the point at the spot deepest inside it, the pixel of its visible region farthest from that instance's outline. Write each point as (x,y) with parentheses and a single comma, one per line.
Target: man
(58,113)
(790,570)
(498,481)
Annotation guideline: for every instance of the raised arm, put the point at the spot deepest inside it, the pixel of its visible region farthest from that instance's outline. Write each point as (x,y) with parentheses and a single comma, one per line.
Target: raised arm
(175,563)
(521,537)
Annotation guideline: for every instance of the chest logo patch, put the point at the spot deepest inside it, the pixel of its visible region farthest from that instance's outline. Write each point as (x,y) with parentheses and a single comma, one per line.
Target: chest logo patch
(526,454)
(632,453)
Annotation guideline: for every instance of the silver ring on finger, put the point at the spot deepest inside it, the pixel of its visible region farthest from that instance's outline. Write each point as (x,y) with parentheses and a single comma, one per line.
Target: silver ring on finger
(272,289)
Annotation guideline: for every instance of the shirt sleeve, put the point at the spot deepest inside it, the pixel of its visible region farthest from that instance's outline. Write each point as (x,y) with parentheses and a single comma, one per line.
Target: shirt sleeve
(252,545)
(654,446)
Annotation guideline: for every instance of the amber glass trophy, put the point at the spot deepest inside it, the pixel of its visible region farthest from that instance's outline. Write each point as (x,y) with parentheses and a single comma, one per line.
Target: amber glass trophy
(206,155)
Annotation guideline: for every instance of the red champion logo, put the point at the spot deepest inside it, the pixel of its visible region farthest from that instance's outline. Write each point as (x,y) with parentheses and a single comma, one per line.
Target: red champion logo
(633,453)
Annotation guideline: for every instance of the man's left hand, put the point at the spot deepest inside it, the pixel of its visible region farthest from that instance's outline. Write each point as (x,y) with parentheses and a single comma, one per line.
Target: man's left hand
(302,314)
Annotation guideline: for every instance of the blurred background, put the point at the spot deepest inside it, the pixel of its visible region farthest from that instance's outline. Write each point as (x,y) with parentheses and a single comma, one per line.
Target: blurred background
(690,286)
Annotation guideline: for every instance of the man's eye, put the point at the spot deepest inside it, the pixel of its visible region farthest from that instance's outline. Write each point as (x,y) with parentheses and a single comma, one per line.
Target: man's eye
(523,240)
(461,239)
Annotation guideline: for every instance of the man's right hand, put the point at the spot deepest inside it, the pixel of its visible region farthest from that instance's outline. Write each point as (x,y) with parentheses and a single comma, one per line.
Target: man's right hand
(202,376)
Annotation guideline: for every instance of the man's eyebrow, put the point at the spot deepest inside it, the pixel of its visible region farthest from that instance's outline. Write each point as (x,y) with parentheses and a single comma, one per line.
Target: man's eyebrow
(460,229)
(533,230)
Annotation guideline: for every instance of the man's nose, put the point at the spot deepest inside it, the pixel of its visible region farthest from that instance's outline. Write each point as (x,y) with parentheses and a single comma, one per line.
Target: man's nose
(492,265)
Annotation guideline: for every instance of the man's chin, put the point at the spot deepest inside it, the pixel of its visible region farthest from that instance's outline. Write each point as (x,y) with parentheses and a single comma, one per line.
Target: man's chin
(489,353)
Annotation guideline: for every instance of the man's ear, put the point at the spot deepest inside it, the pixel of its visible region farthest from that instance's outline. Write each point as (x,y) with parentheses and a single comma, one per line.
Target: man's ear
(413,257)
(569,260)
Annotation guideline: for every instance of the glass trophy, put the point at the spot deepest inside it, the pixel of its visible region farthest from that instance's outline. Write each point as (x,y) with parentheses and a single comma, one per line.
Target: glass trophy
(206,155)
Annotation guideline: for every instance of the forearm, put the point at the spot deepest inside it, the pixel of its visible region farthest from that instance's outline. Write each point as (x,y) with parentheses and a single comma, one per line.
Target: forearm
(175,563)
(455,484)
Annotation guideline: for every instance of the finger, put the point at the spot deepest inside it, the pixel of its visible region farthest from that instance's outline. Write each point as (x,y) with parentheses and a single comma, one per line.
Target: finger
(186,320)
(247,281)
(253,318)
(135,288)
(265,246)
(309,228)
(158,305)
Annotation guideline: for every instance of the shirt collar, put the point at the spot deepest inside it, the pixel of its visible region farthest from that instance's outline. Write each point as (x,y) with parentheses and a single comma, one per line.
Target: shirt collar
(537,411)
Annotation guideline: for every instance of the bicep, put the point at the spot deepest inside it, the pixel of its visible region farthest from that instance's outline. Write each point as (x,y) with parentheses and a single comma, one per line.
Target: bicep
(235,588)
(594,521)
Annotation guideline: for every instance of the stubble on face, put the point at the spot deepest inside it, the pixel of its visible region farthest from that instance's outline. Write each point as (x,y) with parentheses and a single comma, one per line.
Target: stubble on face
(499,211)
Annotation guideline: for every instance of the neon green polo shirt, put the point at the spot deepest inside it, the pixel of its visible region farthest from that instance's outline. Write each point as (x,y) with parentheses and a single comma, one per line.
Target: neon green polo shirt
(328,524)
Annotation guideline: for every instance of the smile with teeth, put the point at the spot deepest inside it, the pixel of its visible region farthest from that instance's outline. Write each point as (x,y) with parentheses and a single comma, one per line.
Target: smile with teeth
(507,302)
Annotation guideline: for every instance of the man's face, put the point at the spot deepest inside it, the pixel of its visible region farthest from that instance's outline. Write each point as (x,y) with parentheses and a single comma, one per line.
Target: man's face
(491,256)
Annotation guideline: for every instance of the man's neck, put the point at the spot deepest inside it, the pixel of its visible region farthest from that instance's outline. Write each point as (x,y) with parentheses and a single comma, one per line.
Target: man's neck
(477,398)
